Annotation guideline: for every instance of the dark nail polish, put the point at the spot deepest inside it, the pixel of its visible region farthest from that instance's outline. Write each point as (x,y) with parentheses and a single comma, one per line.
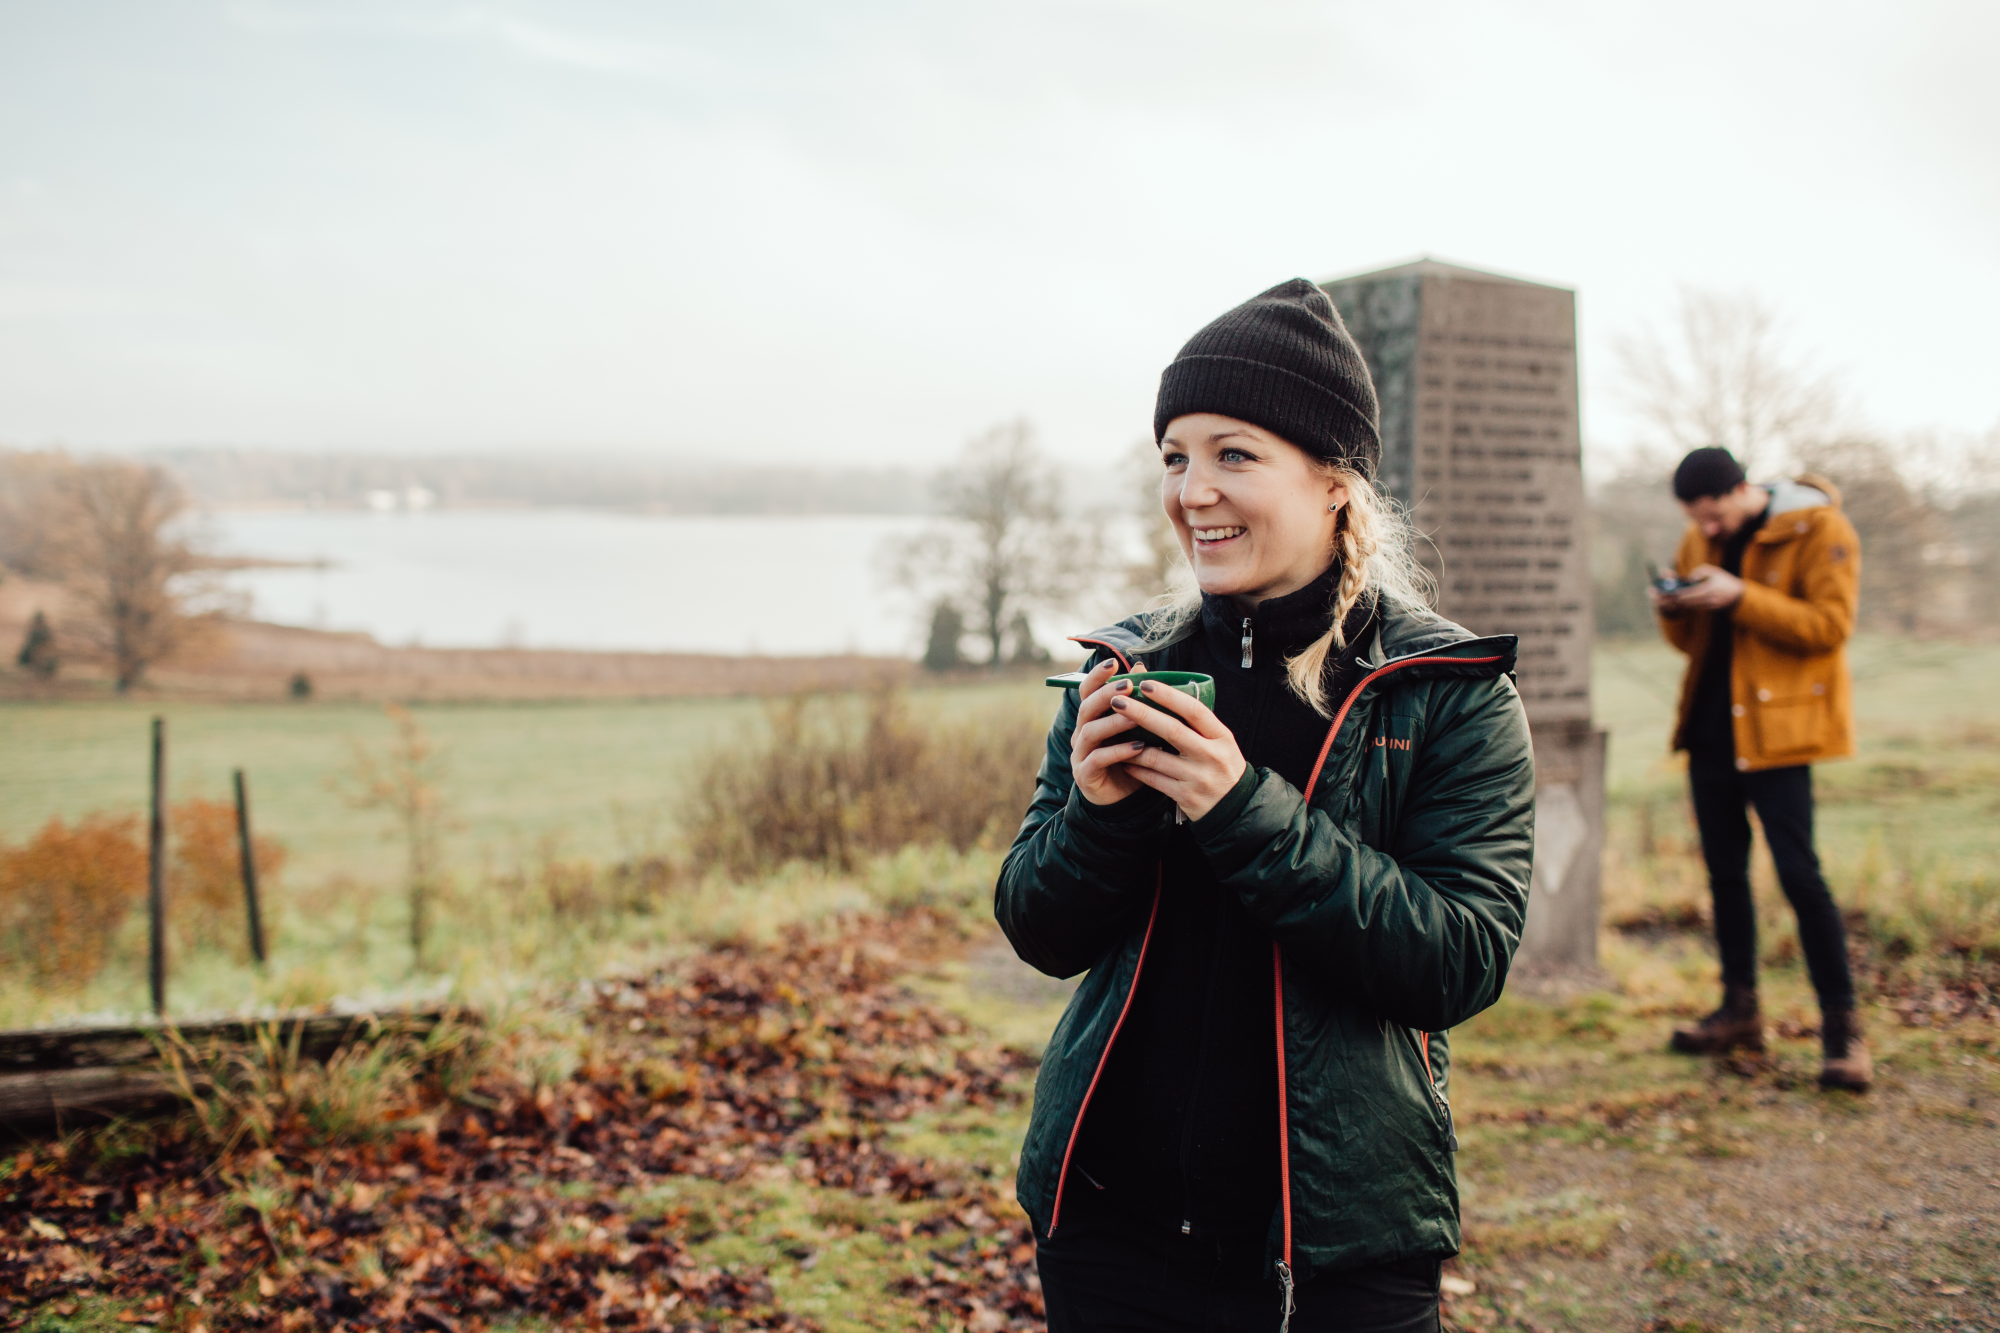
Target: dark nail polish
(1145,687)
(1118,703)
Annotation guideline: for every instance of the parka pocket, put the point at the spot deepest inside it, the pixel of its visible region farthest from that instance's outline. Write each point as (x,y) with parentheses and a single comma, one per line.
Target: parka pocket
(1433,1096)
(1791,724)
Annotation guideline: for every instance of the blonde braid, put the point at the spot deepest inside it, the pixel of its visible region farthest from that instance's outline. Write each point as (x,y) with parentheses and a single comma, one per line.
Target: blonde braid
(1357,538)
(1376,548)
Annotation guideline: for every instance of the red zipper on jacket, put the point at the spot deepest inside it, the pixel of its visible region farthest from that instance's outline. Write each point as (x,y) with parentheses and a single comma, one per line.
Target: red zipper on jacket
(1278,974)
(1076,1126)
(1124,662)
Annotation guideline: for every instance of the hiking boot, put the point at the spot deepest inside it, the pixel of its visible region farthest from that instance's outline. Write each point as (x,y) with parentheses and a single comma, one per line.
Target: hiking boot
(1737,1026)
(1847,1066)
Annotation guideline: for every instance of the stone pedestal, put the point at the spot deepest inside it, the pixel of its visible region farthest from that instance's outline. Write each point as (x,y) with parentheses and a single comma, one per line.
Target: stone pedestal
(1559,942)
(1477,378)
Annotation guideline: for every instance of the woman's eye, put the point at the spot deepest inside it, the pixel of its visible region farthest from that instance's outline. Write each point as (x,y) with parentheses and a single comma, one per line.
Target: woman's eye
(1173,460)
(1236,456)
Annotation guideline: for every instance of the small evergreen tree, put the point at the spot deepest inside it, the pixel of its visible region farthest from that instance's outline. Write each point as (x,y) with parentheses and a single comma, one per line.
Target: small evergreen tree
(1026,650)
(947,630)
(38,650)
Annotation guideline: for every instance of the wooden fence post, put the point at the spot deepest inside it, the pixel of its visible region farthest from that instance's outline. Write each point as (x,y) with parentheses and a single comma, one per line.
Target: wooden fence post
(156,883)
(249,870)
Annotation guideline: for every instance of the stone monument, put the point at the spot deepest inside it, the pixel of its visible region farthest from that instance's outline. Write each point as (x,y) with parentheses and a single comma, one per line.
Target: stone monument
(1477,379)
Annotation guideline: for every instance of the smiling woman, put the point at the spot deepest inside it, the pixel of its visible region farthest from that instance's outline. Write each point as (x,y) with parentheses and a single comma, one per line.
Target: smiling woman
(1243,1116)
(1246,506)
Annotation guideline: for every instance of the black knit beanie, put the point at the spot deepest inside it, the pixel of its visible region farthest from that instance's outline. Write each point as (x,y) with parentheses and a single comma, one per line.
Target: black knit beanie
(1706,473)
(1283,361)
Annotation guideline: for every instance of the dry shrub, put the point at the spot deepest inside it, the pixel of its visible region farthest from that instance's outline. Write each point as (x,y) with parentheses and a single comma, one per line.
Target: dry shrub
(205,885)
(404,780)
(574,894)
(64,894)
(269,1091)
(830,787)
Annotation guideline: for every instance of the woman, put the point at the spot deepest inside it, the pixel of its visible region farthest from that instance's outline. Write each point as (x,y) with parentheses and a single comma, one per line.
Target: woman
(1241,1120)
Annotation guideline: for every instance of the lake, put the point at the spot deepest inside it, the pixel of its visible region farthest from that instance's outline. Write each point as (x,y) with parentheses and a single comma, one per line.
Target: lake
(553,578)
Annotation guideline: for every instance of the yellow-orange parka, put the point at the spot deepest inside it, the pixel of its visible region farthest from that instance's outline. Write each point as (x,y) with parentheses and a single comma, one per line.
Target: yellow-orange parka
(1789,687)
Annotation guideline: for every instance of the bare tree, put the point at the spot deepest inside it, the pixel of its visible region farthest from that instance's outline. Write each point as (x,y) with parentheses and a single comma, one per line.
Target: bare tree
(28,487)
(1006,549)
(1897,525)
(111,538)
(1723,375)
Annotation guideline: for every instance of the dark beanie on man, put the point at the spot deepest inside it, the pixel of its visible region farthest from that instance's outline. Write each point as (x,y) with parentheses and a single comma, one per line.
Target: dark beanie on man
(1283,361)
(1707,473)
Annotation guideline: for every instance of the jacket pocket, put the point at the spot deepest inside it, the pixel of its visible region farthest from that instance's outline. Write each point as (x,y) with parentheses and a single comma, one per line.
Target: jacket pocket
(1432,1096)
(1793,724)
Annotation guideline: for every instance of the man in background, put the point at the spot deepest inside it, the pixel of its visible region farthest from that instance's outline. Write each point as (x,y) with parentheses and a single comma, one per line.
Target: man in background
(1768,582)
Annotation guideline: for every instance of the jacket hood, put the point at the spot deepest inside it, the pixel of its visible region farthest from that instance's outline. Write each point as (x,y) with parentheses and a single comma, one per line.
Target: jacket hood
(1807,491)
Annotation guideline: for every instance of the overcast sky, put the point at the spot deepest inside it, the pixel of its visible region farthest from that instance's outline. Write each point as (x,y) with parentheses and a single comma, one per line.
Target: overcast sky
(858,232)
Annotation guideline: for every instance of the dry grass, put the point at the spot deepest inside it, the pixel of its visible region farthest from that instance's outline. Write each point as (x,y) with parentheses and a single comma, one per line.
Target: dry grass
(830,787)
(1914,919)
(367,1089)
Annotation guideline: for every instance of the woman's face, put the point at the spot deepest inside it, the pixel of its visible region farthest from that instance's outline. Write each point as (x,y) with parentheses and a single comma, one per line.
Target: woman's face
(1255,515)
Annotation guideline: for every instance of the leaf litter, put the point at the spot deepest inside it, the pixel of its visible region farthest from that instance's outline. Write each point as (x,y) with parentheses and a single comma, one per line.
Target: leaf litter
(510,1199)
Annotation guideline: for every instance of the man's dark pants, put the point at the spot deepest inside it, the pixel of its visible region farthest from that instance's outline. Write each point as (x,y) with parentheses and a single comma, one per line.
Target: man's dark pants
(1783,800)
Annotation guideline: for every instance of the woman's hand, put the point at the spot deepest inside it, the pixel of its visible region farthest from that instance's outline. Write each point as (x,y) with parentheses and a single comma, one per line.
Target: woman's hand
(1101,746)
(1208,764)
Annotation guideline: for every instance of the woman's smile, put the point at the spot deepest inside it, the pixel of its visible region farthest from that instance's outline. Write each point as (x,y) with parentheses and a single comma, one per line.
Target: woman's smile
(1214,539)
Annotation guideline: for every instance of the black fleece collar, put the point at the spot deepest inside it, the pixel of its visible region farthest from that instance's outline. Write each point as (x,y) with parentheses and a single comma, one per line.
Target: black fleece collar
(1286,624)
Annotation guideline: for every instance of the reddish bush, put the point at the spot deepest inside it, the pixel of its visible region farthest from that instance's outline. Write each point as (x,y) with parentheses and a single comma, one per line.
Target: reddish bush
(205,876)
(64,894)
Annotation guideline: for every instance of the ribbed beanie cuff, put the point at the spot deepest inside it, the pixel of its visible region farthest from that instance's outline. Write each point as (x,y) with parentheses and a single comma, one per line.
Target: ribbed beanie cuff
(1283,361)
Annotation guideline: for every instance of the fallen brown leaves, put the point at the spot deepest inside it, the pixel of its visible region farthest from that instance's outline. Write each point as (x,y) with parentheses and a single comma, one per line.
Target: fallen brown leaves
(988,1281)
(518,1199)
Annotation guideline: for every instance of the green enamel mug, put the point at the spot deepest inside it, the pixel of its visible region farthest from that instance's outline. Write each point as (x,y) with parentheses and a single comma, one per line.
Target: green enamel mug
(1194,683)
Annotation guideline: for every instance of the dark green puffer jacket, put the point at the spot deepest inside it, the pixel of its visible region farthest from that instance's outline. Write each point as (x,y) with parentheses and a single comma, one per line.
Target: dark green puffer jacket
(1393,893)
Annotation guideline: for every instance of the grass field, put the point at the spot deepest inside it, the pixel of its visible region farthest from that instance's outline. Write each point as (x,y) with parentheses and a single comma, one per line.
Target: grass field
(529,790)
(1923,788)
(602,777)
(599,775)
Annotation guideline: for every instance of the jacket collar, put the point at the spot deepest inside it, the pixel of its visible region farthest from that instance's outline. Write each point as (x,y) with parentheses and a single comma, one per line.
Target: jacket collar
(1397,632)
(1282,624)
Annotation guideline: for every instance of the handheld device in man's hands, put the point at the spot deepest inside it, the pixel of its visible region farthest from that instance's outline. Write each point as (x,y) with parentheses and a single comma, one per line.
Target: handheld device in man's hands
(1667,584)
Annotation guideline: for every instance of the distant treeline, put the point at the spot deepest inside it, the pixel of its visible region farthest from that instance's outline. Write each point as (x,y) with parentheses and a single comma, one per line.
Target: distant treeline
(224,477)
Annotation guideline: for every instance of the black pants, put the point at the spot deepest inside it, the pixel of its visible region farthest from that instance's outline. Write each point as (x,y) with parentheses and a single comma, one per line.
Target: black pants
(1783,798)
(1104,1272)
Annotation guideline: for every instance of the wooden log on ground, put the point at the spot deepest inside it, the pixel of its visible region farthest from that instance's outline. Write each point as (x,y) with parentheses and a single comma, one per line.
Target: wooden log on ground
(91,1072)
(61,1096)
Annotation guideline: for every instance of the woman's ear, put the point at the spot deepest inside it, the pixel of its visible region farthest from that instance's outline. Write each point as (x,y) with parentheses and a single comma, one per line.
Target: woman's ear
(1336,496)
